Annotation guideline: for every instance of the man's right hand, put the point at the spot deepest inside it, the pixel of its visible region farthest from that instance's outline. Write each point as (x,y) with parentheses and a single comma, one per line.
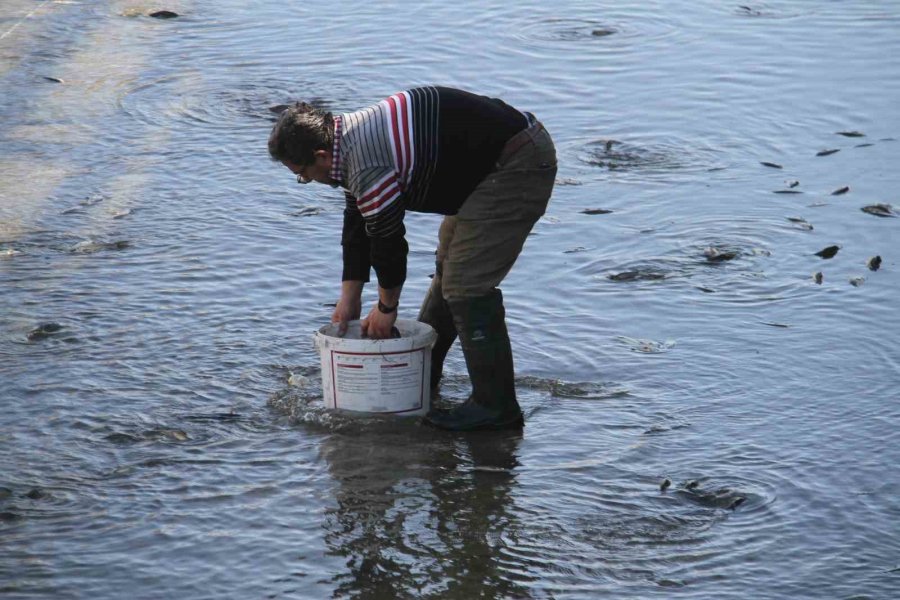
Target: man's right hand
(349,306)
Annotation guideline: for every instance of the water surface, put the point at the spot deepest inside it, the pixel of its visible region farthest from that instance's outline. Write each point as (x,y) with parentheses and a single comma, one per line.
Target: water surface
(161,279)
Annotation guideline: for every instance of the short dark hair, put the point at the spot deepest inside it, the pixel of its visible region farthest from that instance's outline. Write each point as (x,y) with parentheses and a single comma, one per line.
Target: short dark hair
(300,131)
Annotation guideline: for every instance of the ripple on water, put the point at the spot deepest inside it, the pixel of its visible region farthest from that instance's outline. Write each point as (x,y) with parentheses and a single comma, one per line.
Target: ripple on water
(649,159)
(611,30)
(191,100)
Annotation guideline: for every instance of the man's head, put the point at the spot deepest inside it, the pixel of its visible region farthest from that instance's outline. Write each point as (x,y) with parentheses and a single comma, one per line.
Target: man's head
(302,140)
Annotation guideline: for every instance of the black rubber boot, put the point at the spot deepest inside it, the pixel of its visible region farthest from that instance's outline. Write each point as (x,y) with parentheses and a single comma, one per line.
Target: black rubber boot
(436,313)
(481,325)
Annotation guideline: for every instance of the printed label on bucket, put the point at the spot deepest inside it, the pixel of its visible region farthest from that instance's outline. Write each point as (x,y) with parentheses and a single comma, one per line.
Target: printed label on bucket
(378,382)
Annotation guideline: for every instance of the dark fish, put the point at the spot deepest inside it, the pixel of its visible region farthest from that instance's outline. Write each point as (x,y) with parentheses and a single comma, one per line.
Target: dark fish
(43,331)
(737,502)
(827,152)
(879,210)
(229,416)
(602,32)
(634,275)
(863,145)
(874,263)
(771,164)
(787,192)
(817,277)
(828,252)
(801,223)
(840,191)
(596,211)
(692,485)
(122,438)
(773,324)
(163,14)
(54,79)
(574,250)
(706,290)
(36,494)
(793,184)
(857,281)
(716,255)
(851,133)
(665,485)
(609,145)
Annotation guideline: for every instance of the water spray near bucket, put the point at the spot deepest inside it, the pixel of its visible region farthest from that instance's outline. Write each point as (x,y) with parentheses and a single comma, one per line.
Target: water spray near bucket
(382,377)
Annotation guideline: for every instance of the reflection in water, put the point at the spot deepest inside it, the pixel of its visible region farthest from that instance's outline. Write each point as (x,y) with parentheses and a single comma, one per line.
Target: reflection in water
(422,516)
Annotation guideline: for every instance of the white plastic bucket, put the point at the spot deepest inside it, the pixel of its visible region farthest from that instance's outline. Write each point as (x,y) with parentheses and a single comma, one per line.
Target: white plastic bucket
(377,376)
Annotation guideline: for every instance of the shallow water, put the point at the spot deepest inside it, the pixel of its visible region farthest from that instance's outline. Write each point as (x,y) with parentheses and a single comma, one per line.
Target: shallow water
(162,429)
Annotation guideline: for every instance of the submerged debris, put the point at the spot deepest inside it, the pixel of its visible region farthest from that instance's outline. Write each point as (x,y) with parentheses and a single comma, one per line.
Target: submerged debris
(828,252)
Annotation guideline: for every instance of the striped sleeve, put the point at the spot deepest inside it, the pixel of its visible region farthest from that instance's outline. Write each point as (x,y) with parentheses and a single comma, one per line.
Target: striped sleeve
(379,200)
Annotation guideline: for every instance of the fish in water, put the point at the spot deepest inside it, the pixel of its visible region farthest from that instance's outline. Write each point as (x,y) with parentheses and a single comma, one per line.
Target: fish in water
(163,14)
(879,210)
(851,133)
(841,191)
(787,192)
(53,79)
(801,223)
(635,275)
(737,502)
(609,145)
(716,255)
(793,184)
(828,252)
(874,263)
(43,331)
(817,277)
(665,485)
(36,494)
(857,281)
(827,152)
(771,164)
(596,211)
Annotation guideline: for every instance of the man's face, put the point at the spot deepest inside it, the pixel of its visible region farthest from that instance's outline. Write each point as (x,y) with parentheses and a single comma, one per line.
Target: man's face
(317,171)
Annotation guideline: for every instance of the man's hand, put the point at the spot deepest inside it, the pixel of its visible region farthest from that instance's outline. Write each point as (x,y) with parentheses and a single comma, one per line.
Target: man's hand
(378,325)
(349,306)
